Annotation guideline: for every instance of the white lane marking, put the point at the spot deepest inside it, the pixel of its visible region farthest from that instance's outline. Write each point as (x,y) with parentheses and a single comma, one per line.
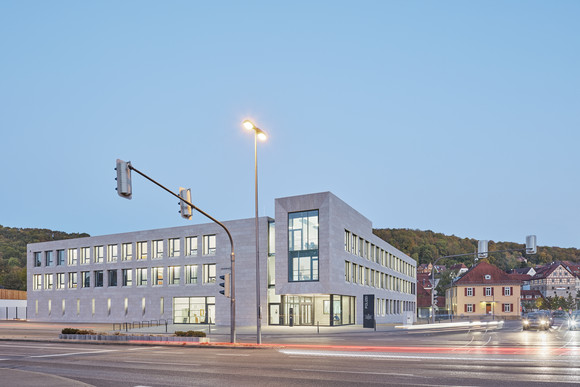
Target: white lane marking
(229,354)
(383,356)
(356,372)
(144,348)
(75,353)
(38,346)
(156,362)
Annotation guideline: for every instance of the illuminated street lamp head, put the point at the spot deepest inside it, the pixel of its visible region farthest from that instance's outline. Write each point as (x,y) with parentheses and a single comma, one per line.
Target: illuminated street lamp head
(262,136)
(248,125)
(259,132)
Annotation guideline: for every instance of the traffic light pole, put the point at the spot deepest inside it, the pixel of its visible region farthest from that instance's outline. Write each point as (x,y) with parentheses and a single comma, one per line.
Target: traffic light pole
(233,257)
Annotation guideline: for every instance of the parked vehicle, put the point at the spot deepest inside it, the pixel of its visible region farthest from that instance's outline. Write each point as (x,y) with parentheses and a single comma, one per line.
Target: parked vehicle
(574,321)
(536,320)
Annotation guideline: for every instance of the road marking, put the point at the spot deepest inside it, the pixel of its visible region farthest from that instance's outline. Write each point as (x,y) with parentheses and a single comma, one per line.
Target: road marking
(357,372)
(230,354)
(38,346)
(76,353)
(156,362)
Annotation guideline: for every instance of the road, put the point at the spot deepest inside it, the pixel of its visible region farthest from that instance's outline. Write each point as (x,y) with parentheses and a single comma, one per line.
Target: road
(506,356)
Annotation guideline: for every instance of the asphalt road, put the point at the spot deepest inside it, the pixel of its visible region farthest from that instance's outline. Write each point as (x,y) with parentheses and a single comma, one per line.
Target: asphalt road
(433,357)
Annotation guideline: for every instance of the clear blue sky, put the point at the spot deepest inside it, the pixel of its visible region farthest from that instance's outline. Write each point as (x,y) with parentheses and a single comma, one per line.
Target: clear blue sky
(461,117)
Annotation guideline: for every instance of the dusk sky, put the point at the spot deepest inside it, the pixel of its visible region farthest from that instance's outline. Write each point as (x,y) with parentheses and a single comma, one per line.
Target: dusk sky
(461,117)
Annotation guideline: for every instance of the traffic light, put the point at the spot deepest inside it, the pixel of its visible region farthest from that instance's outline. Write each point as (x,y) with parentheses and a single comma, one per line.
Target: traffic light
(225,285)
(124,179)
(531,247)
(185,194)
(482,249)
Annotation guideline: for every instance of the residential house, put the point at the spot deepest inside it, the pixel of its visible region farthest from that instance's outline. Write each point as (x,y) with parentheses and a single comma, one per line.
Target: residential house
(485,290)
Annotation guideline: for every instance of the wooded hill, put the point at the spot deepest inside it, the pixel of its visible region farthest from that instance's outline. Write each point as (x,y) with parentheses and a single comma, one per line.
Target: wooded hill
(425,246)
(13,243)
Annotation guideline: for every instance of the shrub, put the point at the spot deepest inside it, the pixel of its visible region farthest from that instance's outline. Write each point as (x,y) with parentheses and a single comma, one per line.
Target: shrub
(190,334)
(70,331)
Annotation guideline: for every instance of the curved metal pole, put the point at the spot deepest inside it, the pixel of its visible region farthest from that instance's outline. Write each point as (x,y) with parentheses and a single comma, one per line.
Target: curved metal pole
(233,256)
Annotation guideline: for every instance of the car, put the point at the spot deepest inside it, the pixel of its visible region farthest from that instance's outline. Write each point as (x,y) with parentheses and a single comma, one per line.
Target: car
(574,321)
(548,315)
(560,314)
(537,320)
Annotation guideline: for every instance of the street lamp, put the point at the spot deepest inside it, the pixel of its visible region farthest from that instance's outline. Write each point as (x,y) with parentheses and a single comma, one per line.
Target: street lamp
(258,134)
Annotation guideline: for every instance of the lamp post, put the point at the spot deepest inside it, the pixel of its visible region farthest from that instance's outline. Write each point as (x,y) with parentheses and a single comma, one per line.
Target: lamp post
(258,134)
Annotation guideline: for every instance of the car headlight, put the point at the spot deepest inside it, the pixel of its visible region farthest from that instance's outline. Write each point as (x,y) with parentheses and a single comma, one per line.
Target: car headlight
(572,323)
(543,322)
(526,322)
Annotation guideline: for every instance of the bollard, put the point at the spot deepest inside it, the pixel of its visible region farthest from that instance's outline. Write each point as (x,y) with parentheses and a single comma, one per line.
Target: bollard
(375,324)
(165,326)
(318,327)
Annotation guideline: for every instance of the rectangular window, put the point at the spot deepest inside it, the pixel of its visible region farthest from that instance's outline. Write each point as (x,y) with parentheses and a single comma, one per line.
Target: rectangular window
(303,246)
(60,280)
(112,253)
(469,292)
(156,276)
(346,240)
(141,276)
(111,277)
(469,308)
(191,274)
(37,259)
(127,277)
(209,245)
(86,279)
(507,307)
(353,274)
(507,291)
(49,258)
(174,277)
(174,247)
(157,249)
(141,250)
(60,259)
(191,246)
(37,282)
(209,273)
(99,254)
(346,271)
(126,251)
(98,279)
(488,292)
(72,280)
(48,281)
(85,255)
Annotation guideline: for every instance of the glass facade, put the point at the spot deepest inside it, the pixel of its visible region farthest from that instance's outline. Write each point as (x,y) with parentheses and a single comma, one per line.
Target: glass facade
(303,246)
(194,310)
(327,310)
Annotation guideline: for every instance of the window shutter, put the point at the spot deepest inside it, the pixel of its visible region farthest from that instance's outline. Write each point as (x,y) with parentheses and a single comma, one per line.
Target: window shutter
(465,306)
(511,290)
(492,290)
(466,295)
(503,291)
(512,307)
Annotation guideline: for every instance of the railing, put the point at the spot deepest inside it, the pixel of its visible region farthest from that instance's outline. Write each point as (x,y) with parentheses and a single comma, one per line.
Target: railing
(141,324)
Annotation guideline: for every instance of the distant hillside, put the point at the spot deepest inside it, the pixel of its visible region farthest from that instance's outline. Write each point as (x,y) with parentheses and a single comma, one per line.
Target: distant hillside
(13,252)
(424,246)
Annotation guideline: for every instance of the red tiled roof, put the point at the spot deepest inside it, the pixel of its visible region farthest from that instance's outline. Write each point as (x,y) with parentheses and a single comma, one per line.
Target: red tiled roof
(477,275)
(520,277)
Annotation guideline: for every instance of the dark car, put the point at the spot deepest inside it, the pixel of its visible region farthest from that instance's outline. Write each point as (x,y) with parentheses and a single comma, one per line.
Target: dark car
(536,320)
(574,321)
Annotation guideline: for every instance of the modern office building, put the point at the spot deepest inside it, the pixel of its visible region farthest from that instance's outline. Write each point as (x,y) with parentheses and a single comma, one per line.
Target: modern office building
(318,257)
